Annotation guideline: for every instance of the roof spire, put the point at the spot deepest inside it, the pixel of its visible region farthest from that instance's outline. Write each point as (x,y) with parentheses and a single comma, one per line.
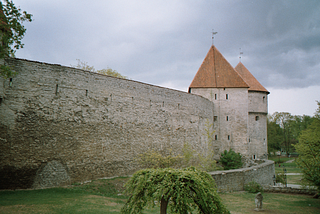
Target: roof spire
(213,33)
(240,54)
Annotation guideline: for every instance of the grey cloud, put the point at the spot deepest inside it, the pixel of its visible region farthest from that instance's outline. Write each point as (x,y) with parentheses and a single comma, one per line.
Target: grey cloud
(164,42)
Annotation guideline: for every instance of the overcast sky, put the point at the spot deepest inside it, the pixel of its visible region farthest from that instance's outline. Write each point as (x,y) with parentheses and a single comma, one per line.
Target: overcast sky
(163,42)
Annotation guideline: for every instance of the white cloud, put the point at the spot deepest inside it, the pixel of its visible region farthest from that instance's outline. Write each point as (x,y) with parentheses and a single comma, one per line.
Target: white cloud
(297,101)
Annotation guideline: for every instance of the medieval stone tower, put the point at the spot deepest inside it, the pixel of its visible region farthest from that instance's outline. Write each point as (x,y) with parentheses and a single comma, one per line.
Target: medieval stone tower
(240,105)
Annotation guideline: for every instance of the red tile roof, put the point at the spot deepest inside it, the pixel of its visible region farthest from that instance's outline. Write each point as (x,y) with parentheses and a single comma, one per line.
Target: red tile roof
(216,72)
(253,83)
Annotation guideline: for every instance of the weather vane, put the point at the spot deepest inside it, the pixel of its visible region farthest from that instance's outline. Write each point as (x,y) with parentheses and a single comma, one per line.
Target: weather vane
(213,33)
(240,54)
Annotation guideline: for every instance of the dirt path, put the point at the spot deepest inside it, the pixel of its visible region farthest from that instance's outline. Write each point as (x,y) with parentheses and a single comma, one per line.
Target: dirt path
(290,161)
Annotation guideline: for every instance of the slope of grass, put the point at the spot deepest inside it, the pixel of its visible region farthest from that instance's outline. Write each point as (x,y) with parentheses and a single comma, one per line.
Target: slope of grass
(105,196)
(243,202)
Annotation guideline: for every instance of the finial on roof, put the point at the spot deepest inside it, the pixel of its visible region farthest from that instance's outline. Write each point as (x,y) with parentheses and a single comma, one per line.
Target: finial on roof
(240,54)
(213,33)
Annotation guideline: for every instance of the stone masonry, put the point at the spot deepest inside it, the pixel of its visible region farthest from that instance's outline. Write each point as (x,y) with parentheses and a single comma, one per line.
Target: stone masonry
(60,125)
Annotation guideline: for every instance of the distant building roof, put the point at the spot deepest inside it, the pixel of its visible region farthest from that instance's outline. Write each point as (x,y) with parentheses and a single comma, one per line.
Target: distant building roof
(253,83)
(216,72)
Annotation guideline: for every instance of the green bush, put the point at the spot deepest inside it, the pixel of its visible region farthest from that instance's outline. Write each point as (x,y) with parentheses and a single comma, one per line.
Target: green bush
(281,178)
(230,160)
(253,187)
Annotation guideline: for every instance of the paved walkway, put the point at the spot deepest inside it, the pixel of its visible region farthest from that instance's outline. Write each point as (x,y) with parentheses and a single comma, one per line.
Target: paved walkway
(290,161)
(293,173)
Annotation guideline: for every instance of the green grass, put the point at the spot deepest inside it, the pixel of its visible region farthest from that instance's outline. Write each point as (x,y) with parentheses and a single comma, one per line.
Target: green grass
(61,200)
(280,159)
(105,196)
(73,200)
(243,202)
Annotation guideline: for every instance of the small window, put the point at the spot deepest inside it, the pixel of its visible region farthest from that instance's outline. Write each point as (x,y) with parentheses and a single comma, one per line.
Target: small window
(215,96)
(257,118)
(264,98)
(228,137)
(227,118)
(227,96)
(215,118)
(0,100)
(254,157)
(249,140)
(10,83)
(216,137)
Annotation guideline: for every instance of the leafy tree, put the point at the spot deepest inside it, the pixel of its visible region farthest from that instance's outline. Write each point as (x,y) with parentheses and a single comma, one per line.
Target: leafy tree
(108,71)
(309,151)
(284,120)
(298,124)
(275,136)
(230,160)
(284,130)
(12,32)
(183,190)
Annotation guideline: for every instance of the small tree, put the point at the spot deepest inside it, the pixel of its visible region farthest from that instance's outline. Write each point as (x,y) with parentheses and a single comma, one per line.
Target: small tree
(12,32)
(309,151)
(108,71)
(182,190)
(230,160)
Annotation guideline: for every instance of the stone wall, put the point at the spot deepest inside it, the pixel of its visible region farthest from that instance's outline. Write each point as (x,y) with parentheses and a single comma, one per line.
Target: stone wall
(60,125)
(234,180)
(290,190)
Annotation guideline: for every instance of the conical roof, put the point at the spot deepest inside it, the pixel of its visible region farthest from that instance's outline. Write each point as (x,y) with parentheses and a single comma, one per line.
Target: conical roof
(253,83)
(216,72)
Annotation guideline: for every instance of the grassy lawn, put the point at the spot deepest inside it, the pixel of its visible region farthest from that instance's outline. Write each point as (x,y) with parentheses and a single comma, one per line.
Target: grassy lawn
(243,202)
(104,196)
(280,159)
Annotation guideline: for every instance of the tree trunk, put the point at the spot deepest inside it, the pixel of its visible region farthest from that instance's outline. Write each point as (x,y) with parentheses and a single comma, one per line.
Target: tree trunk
(163,205)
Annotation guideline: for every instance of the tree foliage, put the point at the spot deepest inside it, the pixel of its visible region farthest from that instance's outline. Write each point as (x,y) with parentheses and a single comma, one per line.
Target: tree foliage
(105,71)
(183,190)
(283,119)
(12,32)
(253,187)
(201,159)
(275,136)
(231,160)
(284,130)
(160,159)
(309,151)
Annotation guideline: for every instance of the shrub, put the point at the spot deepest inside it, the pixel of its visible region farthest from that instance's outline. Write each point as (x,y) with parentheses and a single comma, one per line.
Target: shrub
(159,159)
(182,190)
(201,159)
(230,160)
(281,178)
(253,187)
